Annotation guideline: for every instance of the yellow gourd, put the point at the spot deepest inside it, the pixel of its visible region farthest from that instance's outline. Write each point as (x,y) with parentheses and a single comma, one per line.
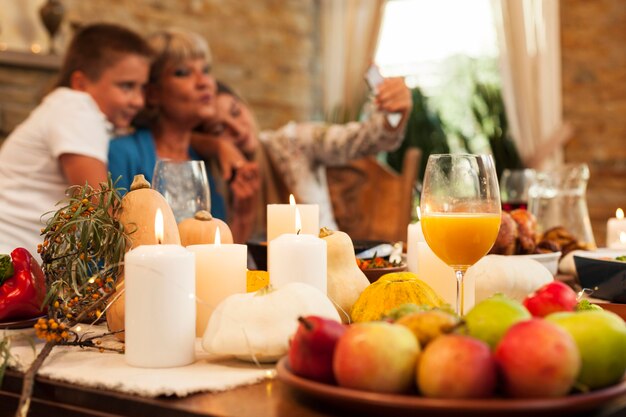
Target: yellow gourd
(137,213)
(201,229)
(391,291)
(345,281)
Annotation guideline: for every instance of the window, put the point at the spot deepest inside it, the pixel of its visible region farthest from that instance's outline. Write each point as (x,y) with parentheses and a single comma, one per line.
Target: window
(442,47)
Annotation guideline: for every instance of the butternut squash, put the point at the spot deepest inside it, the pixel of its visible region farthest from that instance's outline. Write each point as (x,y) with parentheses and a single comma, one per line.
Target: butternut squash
(201,229)
(345,281)
(391,291)
(137,213)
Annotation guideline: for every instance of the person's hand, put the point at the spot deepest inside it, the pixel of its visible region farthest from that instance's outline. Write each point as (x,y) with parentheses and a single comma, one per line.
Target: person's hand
(244,187)
(230,158)
(393,96)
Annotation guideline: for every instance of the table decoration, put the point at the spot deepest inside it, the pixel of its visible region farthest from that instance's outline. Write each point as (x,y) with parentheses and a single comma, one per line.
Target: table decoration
(344,279)
(281,217)
(136,214)
(414,237)
(109,370)
(201,228)
(295,257)
(220,272)
(160,288)
(616,231)
(257,327)
(83,246)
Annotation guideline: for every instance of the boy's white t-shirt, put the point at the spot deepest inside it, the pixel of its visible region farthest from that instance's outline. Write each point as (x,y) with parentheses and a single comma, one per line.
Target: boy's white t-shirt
(31,180)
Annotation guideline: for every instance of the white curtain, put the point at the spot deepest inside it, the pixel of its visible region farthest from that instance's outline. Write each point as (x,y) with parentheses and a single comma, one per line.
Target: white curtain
(530,60)
(349,35)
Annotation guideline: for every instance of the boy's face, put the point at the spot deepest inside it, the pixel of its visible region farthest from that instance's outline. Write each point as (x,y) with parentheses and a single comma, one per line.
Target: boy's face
(119,92)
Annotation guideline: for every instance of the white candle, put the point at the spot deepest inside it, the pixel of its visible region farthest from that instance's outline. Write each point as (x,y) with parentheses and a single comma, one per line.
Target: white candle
(160,309)
(281,218)
(414,235)
(441,277)
(297,258)
(220,272)
(616,231)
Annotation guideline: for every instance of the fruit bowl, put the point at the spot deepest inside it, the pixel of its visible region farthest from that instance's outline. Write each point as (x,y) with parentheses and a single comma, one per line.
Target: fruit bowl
(372,403)
(602,274)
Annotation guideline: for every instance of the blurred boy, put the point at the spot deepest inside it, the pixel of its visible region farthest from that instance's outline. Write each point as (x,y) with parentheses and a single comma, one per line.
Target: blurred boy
(65,139)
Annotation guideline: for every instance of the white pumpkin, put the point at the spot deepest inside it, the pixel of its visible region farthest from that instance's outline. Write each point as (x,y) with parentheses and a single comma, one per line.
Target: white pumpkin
(509,275)
(258,326)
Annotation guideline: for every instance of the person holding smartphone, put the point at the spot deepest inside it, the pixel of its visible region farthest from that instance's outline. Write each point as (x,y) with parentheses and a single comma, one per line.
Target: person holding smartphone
(293,158)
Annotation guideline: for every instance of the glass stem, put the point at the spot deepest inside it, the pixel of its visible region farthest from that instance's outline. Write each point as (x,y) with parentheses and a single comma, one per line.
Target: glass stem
(460,299)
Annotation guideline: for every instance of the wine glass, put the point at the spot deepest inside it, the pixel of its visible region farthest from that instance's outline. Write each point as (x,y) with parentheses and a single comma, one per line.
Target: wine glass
(460,206)
(185,186)
(514,185)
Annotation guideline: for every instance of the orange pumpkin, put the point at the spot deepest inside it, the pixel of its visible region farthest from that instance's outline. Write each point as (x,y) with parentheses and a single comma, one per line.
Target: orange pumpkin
(201,229)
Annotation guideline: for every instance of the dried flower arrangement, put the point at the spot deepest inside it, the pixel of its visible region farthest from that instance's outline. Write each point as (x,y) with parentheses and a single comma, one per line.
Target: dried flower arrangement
(82,253)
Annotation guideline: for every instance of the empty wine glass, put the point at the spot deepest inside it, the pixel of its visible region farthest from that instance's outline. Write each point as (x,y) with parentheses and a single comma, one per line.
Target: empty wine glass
(184,185)
(460,207)
(514,186)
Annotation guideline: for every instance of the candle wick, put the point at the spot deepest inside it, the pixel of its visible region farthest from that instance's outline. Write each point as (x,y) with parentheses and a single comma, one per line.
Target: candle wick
(298,232)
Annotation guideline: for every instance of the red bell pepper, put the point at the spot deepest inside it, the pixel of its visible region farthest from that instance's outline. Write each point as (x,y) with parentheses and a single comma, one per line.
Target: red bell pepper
(22,286)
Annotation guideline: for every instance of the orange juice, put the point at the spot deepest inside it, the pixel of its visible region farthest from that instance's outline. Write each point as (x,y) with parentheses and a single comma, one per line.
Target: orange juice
(460,239)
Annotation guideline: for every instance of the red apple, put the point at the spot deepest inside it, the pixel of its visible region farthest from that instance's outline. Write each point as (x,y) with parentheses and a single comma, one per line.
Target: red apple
(312,347)
(537,359)
(456,366)
(551,298)
(376,356)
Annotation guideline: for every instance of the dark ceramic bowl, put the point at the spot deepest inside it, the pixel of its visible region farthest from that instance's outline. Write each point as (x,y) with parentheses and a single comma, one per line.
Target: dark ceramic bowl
(373,274)
(606,277)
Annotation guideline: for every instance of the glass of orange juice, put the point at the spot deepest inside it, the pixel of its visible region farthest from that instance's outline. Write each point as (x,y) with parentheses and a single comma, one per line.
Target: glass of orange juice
(460,207)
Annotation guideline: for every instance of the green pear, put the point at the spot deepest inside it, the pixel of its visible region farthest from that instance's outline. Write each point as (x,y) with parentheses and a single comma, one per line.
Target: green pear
(601,340)
(491,318)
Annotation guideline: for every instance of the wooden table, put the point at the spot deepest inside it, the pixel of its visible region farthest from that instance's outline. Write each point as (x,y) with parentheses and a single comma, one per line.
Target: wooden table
(267,399)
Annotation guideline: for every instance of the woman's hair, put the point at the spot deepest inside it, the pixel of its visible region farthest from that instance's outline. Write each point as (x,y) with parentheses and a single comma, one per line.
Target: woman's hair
(173,46)
(97,47)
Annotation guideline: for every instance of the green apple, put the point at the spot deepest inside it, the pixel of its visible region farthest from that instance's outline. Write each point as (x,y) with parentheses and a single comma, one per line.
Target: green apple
(491,318)
(601,340)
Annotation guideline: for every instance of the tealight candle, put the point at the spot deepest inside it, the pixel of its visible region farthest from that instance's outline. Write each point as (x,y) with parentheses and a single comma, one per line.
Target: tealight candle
(281,218)
(160,310)
(297,258)
(414,236)
(616,231)
(220,272)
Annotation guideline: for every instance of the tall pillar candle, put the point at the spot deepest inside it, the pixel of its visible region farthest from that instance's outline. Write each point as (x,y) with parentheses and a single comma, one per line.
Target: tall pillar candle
(298,258)
(616,231)
(160,309)
(441,278)
(281,218)
(220,272)
(414,236)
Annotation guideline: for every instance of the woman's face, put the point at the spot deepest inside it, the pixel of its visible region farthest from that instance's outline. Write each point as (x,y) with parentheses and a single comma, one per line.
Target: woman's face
(185,93)
(235,122)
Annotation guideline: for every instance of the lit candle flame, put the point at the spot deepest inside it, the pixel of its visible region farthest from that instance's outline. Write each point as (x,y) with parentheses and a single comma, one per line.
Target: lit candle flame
(619,213)
(419,213)
(292,200)
(158,226)
(298,221)
(622,237)
(218,238)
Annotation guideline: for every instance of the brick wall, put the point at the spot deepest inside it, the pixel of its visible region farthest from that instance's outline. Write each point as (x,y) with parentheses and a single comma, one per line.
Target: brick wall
(266,49)
(594,100)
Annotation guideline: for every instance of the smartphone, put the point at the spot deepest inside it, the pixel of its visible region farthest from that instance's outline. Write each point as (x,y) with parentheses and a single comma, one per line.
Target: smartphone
(373,77)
